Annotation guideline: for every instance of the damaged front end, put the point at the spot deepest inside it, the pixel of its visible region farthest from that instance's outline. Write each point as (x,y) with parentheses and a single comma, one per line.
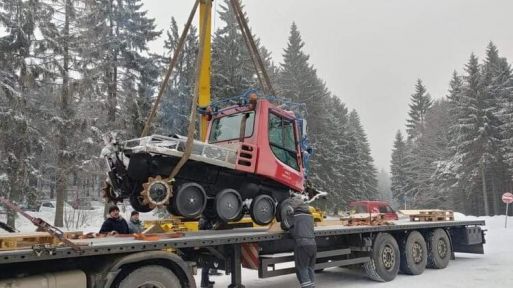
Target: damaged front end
(138,169)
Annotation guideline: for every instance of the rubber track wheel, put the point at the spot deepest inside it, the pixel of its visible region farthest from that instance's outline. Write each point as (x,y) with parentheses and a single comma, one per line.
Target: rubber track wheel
(408,265)
(220,205)
(180,200)
(286,217)
(435,260)
(375,268)
(258,201)
(151,276)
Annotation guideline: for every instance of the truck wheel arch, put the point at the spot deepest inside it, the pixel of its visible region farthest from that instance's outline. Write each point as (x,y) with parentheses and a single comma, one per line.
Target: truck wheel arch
(125,264)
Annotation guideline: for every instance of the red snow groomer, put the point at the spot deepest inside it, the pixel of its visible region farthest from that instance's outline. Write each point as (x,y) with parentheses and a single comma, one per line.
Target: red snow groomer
(253,162)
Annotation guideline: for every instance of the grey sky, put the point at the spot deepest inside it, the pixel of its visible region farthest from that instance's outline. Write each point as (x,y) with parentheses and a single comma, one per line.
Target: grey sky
(370,52)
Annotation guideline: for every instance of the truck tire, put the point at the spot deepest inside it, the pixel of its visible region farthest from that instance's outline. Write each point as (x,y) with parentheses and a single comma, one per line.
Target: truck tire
(151,276)
(413,254)
(385,258)
(439,249)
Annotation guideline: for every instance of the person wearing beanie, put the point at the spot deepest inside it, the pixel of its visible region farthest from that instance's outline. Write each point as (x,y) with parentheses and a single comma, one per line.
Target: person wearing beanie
(114,223)
(305,250)
(135,225)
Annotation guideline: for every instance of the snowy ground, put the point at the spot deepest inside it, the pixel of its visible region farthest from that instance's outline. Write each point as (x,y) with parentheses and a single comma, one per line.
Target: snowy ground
(493,269)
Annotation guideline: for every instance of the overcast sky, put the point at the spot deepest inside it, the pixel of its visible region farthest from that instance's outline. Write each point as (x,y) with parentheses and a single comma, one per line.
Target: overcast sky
(370,52)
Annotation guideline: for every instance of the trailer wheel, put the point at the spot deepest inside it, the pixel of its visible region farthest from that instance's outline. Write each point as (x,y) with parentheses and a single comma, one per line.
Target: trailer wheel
(136,200)
(384,263)
(262,209)
(439,249)
(413,254)
(228,205)
(286,212)
(190,200)
(151,276)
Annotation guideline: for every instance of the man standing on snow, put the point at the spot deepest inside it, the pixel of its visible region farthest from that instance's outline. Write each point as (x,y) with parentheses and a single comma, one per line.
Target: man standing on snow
(135,225)
(115,223)
(305,250)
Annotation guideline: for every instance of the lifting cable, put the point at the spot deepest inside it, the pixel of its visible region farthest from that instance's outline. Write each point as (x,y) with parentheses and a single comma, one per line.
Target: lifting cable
(170,69)
(192,117)
(255,55)
(252,48)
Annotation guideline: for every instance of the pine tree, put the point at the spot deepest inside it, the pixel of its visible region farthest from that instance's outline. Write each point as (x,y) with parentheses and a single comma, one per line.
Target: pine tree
(363,172)
(384,187)
(475,142)
(64,45)
(496,83)
(175,107)
(232,68)
(420,103)
(331,173)
(21,51)
(298,81)
(118,32)
(400,171)
(431,149)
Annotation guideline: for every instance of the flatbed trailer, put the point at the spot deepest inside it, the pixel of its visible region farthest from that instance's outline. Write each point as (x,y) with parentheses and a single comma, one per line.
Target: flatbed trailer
(126,262)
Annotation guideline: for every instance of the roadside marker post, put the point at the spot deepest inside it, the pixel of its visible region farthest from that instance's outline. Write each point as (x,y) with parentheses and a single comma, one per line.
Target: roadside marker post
(507,198)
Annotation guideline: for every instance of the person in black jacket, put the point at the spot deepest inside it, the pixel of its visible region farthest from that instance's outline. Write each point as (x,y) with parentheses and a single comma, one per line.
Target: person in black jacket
(115,223)
(207,263)
(305,250)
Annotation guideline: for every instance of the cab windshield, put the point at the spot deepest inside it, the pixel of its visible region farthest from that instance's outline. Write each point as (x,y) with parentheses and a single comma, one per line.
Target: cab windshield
(228,127)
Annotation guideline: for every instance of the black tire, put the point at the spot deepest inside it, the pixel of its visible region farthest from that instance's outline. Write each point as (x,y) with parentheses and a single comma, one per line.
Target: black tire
(278,211)
(385,258)
(136,203)
(262,209)
(150,276)
(189,201)
(439,249)
(228,205)
(413,254)
(286,214)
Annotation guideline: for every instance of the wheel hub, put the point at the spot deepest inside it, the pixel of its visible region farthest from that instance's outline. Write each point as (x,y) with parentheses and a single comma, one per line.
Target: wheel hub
(156,192)
(388,257)
(228,204)
(190,200)
(263,209)
(441,247)
(417,252)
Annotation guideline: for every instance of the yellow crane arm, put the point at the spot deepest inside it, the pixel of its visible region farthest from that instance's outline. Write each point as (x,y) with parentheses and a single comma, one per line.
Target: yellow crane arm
(204,78)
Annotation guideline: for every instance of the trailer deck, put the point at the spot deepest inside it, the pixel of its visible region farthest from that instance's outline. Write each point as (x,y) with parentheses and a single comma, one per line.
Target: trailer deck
(114,245)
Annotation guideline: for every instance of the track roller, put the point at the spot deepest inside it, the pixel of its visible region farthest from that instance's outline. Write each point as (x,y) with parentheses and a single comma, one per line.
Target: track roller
(228,205)
(189,201)
(262,209)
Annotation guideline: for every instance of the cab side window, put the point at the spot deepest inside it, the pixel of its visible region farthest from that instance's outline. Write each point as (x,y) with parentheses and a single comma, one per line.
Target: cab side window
(282,140)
